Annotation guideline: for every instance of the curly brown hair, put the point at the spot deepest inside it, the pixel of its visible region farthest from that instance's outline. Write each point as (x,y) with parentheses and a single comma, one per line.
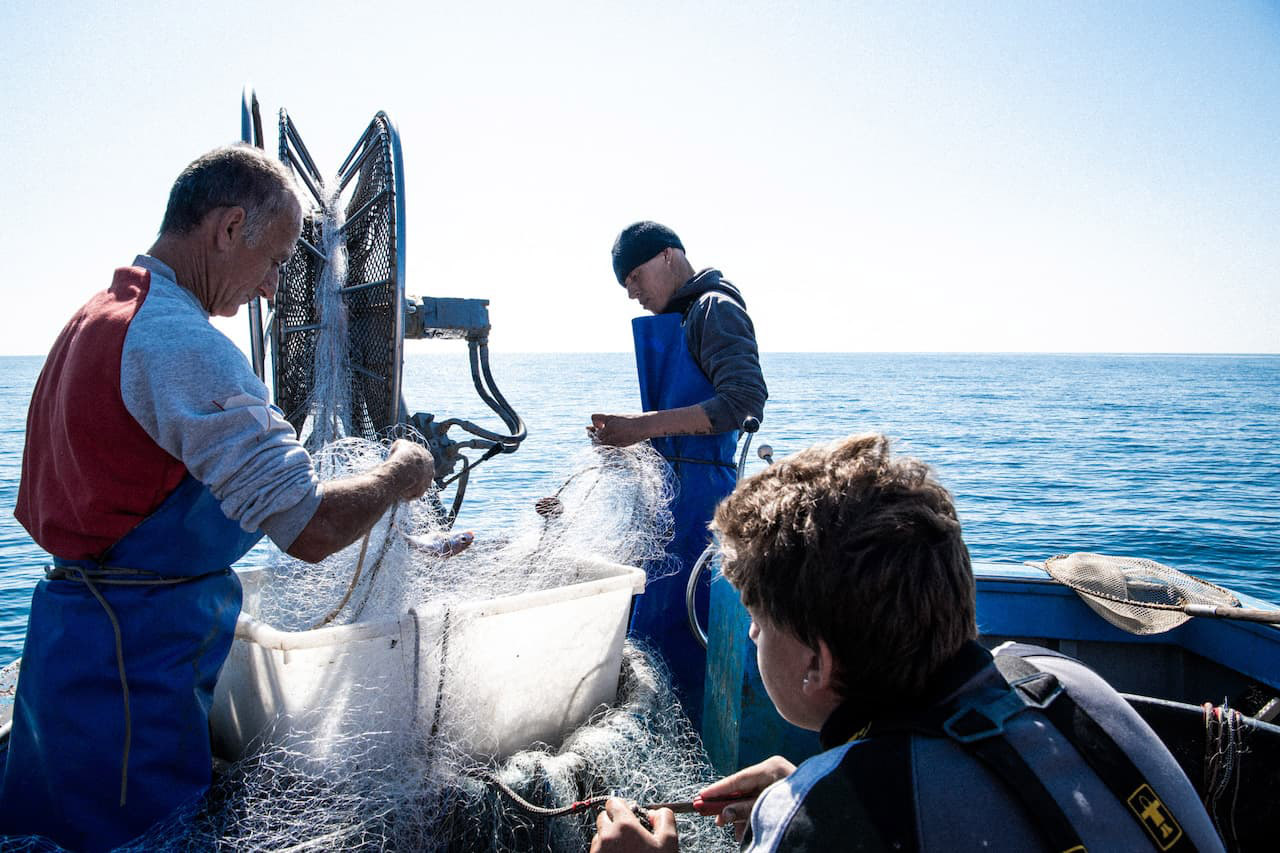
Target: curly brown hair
(845,544)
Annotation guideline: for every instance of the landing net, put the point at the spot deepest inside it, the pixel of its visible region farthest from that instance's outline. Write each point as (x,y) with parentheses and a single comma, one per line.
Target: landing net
(1136,595)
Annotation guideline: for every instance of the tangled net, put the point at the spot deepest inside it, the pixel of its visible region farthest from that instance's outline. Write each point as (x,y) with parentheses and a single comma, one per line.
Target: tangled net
(331,365)
(613,505)
(363,775)
(366,774)
(431,798)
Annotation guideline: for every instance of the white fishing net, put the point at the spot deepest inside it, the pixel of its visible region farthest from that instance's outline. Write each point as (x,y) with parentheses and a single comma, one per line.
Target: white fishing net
(612,505)
(370,771)
(331,366)
(372,767)
(432,798)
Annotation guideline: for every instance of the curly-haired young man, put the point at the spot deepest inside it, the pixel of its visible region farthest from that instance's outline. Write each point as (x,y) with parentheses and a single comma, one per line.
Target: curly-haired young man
(852,566)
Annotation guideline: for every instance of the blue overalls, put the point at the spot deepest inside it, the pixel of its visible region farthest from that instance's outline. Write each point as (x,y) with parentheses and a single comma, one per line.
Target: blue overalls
(76,771)
(705,473)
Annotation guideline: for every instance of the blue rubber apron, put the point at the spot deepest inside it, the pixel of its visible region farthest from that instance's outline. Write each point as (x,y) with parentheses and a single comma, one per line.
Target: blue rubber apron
(704,470)
(169,588)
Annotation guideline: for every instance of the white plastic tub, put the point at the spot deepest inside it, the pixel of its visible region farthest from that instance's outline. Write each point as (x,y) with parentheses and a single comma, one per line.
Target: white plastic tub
(490,677)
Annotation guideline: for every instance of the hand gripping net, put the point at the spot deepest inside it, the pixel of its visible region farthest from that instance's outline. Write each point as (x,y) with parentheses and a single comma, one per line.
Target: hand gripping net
(1136,595)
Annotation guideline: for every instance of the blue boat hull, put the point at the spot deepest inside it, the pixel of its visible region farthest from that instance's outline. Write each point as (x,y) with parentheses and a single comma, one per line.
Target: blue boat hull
(1203,660)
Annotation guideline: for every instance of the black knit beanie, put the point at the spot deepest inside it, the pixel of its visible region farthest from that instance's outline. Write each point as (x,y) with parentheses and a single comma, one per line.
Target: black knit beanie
(638,243)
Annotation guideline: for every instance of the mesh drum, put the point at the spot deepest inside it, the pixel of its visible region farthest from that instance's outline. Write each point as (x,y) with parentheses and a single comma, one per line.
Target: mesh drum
(368,200)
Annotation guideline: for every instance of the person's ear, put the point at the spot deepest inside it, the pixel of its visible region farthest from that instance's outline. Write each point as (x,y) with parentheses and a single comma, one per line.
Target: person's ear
(821,673)
(229,226)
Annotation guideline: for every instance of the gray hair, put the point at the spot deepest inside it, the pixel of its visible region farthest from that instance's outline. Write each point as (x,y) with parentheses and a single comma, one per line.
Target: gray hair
(231,176)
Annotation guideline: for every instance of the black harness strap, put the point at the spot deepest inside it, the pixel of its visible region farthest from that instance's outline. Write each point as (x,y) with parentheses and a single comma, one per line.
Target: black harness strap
(1100,751)
(977,723)
(1047,816)
(976,720)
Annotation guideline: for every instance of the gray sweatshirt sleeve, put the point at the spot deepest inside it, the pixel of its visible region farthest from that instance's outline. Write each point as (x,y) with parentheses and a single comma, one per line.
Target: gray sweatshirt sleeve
(195,394)
(723,342)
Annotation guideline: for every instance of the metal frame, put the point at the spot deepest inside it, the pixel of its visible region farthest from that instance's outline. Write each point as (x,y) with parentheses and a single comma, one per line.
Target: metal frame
(251,134)
(380,139)
(426,318)
(349,169)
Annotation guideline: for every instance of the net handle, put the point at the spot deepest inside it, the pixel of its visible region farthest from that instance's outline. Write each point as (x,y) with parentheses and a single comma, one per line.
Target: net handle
(1246,614)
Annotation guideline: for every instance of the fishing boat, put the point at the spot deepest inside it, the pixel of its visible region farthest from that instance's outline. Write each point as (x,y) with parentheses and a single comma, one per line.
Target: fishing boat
(1208,684)
(538,665)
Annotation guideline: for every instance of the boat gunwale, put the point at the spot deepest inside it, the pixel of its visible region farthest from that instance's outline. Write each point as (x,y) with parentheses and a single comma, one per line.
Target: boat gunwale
(1250,648)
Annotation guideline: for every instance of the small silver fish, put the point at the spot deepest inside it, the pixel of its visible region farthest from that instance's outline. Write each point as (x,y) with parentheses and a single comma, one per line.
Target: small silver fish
(441,544)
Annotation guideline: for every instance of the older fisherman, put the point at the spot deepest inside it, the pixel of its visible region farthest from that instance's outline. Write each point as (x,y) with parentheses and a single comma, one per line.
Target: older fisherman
(153,462)
(700,378)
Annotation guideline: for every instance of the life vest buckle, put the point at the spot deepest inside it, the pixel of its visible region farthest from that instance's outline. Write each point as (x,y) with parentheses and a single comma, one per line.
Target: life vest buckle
(976,719)
(1037,690)
(983,716)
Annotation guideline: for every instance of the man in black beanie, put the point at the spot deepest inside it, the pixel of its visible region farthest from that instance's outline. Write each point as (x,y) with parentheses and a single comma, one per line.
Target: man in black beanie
(699,372)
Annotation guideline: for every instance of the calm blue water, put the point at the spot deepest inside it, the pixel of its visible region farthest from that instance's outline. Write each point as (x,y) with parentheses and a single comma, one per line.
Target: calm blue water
(1175,458)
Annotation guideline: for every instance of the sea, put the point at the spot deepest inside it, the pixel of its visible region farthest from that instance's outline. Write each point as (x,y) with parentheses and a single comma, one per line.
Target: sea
(1175,458)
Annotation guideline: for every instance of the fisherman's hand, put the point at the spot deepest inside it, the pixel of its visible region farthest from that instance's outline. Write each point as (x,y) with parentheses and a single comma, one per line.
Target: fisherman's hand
(747,783)
(616,430)
(411,468)
(618,830)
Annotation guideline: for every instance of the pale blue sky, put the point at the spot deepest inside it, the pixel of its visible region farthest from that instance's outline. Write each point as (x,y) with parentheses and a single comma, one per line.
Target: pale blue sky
(888,176)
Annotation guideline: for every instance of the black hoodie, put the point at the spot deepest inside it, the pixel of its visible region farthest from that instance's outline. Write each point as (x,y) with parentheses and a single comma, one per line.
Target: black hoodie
(722,340)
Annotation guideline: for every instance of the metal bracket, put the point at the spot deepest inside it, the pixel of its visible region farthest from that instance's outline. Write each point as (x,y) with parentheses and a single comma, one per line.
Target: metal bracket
(446,317)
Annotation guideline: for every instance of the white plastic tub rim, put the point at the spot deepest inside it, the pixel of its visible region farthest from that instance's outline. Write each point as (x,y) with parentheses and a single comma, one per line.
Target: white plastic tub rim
(494,675)
(603,576)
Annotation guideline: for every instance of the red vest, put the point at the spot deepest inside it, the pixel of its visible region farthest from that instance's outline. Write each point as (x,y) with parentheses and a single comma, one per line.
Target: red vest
(90,473)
